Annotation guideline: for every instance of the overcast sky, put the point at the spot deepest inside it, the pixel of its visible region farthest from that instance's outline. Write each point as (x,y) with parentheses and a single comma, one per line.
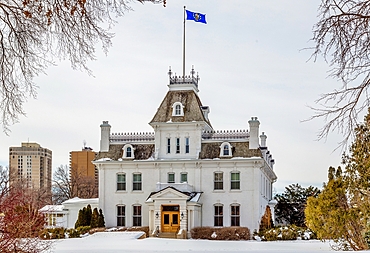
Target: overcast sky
(251,60)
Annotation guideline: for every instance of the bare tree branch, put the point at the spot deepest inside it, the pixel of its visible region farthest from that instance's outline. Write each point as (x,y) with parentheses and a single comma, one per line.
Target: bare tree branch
(68,184)
(342,37)
(34,33)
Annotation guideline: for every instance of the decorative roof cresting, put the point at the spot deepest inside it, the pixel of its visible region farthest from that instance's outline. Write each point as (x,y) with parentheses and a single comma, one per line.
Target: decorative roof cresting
(174,79)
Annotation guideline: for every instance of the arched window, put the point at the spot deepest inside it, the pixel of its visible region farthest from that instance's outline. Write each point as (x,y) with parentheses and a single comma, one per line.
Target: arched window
(177,109)
(128,152)
(226,150)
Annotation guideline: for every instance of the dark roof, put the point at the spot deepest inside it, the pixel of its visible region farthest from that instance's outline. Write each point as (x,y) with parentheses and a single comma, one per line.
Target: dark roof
(239,149)
(141,152)
(190,101)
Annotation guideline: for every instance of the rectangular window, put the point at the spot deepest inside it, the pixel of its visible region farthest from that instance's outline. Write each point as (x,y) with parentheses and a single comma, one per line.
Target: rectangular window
(121,182)
(184,177)
(218,183)
(235,181)
(136,182)
(121,214)
(235,215)
(136,218)
(168,145)
(219,216)
(187,147)
(177,145)
(171,178)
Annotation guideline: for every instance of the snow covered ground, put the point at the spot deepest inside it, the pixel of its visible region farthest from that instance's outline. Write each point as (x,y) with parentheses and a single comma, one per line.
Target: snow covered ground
(108,242)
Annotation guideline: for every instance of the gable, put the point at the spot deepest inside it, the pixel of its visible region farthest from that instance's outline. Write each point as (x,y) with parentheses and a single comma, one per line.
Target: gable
(190,101)
(169,193)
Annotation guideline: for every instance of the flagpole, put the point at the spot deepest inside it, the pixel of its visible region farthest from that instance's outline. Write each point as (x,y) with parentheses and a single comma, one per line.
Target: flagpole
(183,49)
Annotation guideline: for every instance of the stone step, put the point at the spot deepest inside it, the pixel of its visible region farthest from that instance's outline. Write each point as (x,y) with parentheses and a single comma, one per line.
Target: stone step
(167,235)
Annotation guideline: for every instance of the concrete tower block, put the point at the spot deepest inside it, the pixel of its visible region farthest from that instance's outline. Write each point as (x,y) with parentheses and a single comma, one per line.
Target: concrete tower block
(253,133)
(263,138)
(104,136)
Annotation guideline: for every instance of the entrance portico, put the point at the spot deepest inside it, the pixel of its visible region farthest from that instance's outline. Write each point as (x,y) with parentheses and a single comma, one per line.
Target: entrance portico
(173,211)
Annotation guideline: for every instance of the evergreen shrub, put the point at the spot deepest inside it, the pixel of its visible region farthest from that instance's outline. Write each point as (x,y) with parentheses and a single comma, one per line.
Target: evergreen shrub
(52,233)
(285,233)
(73,233)
(83,229)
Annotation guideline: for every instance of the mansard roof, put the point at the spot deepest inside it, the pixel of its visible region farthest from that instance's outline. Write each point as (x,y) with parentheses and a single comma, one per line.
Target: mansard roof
(192,107)
(208,151)
(141,151)
(239,149)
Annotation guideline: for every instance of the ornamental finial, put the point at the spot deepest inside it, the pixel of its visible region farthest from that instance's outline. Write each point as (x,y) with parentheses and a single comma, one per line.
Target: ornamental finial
(192,72)
(170,72)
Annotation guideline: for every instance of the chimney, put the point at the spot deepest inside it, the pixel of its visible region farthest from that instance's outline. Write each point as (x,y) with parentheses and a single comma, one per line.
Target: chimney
(253,133)
(263,139)
(104,136)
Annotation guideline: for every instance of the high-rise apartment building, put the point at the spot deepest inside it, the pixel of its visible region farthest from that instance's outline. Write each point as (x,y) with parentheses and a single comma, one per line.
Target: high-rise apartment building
(83,172)
(30,165)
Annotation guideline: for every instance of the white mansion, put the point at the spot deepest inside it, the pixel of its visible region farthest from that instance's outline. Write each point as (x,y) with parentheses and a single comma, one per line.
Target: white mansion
(185,174)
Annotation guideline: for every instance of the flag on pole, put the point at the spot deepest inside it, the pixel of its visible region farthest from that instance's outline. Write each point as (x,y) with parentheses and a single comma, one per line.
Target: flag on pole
(197,17)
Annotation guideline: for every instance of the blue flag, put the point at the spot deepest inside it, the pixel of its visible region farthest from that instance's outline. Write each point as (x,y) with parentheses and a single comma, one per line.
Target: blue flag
(197,17)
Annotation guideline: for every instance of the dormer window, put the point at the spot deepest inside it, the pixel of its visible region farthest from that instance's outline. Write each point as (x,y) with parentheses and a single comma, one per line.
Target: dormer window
(128,152)
(177,109)
(225,150)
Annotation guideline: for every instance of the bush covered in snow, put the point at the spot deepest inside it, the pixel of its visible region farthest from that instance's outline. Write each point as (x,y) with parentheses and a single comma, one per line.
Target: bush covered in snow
(226,233)
(285,233)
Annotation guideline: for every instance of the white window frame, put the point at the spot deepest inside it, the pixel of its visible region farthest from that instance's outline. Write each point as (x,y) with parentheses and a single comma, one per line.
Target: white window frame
(234,181)
(187,145)
(126,154)
(218,215)
(137,182)
(222,149)
(234,216)
(168,178)
(120,182)
(181,179)
(168,146)
(177,145)
(121,216)
(137,217)
(219,181)
(177,109)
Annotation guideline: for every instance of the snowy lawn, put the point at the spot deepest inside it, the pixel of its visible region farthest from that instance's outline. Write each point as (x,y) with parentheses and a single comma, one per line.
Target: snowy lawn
(127,242)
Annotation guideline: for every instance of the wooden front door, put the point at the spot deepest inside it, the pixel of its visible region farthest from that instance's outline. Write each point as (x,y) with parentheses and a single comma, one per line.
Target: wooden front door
(170,219)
